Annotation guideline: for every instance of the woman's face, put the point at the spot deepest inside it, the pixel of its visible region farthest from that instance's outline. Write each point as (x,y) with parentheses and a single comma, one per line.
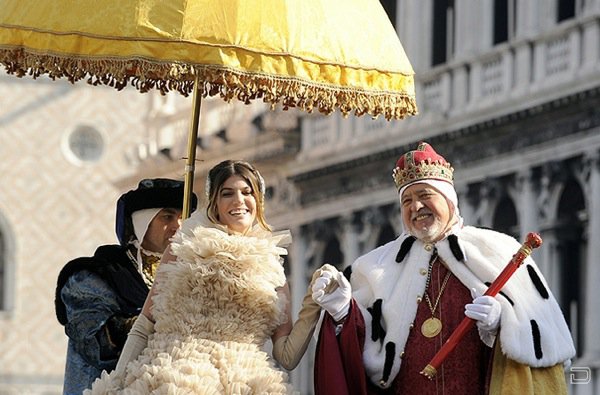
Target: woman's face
(236,205)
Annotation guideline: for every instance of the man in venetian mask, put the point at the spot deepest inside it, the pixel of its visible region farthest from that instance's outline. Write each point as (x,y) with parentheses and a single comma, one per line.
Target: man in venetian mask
(394,307)
(99,298)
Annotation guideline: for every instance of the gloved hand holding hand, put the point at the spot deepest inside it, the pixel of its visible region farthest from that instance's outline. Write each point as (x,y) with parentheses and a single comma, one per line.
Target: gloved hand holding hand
(486,310)
(332,292)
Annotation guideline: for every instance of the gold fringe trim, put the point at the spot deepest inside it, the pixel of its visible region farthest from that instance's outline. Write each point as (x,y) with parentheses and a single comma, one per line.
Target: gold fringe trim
(145,75)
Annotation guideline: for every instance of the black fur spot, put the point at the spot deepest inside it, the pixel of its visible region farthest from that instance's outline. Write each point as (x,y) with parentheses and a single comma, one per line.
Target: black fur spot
(503,294)
(405,248)
(390,355)
(348,272)
(434,255)
(455,248)
(377,331)
(537,282)
(537,340)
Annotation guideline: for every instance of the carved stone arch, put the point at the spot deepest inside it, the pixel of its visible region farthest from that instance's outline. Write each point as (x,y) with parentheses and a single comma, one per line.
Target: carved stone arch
(373,218)
(281,195)
(395,218)
(505,218)
(551,186)
(324,244)
(484,197)
(349,227)
(332,253)
(315,245)
(332,234)
(386,234)
(581,169)
(571,207)
(466,203)
(387,230)
(571,247)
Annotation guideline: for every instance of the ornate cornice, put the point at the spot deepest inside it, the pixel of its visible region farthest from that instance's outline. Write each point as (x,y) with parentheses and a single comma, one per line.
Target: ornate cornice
(520,131)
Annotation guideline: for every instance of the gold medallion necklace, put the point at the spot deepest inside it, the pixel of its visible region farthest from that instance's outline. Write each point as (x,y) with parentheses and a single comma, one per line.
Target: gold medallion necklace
(432,326)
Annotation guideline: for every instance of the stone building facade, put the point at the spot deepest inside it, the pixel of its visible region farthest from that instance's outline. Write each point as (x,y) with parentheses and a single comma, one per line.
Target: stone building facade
(64,150)
(508,91)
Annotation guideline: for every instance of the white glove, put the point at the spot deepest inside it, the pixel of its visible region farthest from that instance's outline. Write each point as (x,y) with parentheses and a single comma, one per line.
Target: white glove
(332,292)
(136,342)
(486,310)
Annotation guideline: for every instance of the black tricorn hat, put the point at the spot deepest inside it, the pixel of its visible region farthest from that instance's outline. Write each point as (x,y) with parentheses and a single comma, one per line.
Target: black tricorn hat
(150,193)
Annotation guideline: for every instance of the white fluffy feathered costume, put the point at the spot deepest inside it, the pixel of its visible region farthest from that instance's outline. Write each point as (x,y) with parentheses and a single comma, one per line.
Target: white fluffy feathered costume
(215,308)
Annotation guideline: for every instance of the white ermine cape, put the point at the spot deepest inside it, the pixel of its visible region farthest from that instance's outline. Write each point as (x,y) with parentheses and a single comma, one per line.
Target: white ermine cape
(532,327)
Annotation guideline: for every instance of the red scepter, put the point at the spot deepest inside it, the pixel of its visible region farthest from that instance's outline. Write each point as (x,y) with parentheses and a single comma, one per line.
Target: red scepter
(533,241)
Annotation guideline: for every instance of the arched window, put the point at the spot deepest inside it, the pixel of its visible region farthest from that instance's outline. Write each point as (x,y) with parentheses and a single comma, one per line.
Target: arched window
(505,217)
(505,20)
(386,234)
(332,254)
(571,248)
(565,10)
(500,21)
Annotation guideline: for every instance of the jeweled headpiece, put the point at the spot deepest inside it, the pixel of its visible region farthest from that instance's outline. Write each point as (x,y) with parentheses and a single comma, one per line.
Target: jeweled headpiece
(422,164)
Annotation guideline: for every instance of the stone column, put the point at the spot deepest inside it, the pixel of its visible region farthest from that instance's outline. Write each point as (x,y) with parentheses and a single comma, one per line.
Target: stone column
(349,239)
(482,215)
(527,18)
(372,219)
(527,209)
(298,280)
(591,6)
(459,90)
(522,66)
(590,54)
(545,205)
(470,29)
(416,34)
(547,260)
(591,313)
(465,204)
(298,268)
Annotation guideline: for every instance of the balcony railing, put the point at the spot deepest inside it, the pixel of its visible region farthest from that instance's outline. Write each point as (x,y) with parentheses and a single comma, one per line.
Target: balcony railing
(557,62)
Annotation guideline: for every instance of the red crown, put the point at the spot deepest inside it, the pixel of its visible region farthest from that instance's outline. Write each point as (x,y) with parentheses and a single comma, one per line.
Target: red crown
(421,164)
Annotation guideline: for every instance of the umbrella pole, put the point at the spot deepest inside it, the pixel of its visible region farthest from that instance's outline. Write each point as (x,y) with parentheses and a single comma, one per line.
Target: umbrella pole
(191,156)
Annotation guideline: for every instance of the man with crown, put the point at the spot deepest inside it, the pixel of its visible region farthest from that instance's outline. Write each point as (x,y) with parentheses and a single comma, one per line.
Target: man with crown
(394,307)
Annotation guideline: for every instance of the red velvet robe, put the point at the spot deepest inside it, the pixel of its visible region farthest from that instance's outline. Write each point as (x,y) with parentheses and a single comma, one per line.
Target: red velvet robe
(339,369)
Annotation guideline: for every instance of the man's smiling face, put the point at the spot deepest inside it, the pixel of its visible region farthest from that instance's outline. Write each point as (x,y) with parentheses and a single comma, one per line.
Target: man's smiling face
(425,212)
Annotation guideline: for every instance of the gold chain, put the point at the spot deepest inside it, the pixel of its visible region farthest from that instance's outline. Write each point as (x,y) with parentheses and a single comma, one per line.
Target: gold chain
(437,300)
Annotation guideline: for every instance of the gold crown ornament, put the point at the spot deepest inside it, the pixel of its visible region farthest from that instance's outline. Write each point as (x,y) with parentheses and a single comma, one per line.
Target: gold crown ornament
(422,164)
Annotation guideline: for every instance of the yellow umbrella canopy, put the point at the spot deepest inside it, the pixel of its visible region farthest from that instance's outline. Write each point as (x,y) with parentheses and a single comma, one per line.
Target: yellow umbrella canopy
(310,54)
